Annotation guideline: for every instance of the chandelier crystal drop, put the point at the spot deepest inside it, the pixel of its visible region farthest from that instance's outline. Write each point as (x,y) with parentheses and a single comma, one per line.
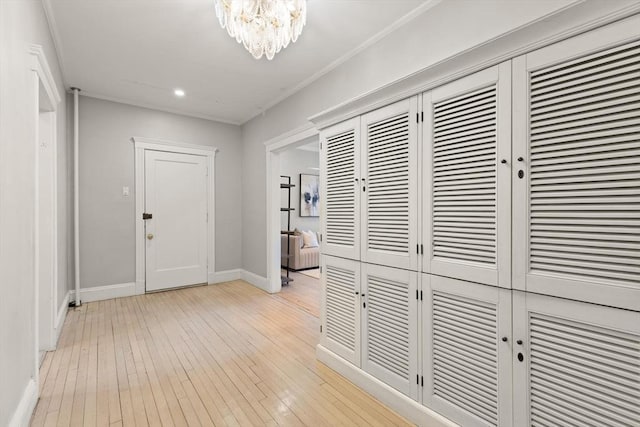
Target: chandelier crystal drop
(264,27)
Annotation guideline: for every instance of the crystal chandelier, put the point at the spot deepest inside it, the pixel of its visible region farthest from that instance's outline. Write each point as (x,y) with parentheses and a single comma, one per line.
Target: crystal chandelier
(264,27)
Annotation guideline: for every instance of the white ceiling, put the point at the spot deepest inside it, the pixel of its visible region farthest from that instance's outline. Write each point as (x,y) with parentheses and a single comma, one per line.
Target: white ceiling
(138,51)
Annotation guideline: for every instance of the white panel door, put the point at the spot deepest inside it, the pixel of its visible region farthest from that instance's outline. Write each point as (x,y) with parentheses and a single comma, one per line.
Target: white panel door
(577,188)
(578,364)
(341,307)
(339,181)
(467,178)
(467,349)
(176,197)
(390,326)
(390,185)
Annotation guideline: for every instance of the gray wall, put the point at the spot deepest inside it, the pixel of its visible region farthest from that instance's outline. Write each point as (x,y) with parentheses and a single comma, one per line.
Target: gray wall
(293,162)
(443,31)
(23,23)
(107,218)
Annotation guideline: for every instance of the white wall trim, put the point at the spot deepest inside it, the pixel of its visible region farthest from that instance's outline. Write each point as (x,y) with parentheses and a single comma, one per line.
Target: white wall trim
(576,18)
(49,103)
(125,101)
(173,146)
(225,276)
(283,141)
(41,66)
(61,316)
(140,145)
(344,58)
(22,415)
(53,29)
(257,281)
(121,290)
(273,148)
(100,293)
(407,407)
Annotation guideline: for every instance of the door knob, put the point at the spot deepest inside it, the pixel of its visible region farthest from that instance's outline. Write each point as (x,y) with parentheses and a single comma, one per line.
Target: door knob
(150,236)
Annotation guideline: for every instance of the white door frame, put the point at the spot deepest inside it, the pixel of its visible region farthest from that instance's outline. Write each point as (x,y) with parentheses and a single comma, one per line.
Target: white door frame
(274,147)
(141,144)
(45,101)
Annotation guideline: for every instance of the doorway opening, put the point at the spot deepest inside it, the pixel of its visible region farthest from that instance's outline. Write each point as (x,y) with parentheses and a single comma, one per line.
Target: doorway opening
(47,319)
(300,224)
(304,290)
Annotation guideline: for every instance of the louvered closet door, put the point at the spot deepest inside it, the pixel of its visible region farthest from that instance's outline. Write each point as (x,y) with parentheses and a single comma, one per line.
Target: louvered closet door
(340,176)
(390,326)
(389,185)
(577,205)
(341,307)
(467,178)
(467,365)
(580,364)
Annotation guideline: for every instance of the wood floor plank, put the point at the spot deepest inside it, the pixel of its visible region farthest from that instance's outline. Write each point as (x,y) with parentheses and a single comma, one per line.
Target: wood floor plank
(222,355)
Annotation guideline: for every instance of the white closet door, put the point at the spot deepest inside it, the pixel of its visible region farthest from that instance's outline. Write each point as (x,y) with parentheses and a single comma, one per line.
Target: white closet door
(389,185)
(467,178)
(467,351)
(340,175)
(577,200)
(341,307)
(579,363)
(390,326)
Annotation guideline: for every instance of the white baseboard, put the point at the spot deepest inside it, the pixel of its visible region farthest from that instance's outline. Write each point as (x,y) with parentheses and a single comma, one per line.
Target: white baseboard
(22,415)
(239,274)
(140,287)
(225,276)
(62,315)
(255,280)
(397,401)
(100,293)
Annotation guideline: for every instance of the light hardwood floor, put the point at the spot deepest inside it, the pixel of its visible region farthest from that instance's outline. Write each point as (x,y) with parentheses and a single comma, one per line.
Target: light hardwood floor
(304,292)
(226,354)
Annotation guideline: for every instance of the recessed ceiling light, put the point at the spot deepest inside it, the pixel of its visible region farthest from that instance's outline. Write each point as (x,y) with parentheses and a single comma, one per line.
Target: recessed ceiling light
(178,92)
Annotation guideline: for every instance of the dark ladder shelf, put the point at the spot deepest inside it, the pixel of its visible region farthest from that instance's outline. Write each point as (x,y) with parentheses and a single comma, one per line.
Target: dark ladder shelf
(285,280)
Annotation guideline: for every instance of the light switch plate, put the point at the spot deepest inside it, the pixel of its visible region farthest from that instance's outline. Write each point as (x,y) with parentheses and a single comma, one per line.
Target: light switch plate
(125,191)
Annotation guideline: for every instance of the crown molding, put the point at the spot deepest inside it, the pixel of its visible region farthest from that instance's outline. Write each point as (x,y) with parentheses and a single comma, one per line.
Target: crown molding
(574,19)
(118,100)
(344,58)
(53,30)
